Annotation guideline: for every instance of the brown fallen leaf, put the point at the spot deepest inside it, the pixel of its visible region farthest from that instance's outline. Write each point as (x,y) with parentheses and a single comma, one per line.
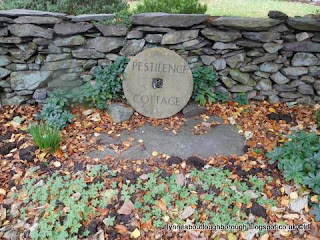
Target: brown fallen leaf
(121,229)
(126,208)
(161,204)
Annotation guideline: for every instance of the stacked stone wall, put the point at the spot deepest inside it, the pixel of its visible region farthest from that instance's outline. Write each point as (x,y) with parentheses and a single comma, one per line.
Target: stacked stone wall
(274,59)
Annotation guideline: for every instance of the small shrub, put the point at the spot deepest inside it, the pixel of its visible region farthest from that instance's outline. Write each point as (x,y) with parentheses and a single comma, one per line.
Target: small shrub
(318,118)
(55,112)
(299,158)
(45,137)
(121,17)
(171,6)
(242,99)
(108,85)
(74,7)
(204,80)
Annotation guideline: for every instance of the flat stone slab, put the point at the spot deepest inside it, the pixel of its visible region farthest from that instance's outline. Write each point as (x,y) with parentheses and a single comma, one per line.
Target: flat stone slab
(26,12)
(219,140)
(168,20)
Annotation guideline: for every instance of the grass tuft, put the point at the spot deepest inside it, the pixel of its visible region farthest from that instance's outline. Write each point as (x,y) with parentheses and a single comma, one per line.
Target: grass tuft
(45,137)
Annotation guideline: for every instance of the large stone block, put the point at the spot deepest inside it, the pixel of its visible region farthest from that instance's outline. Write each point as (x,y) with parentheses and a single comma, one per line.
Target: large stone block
(168,20)
(29,30)
(112,30)
(91,17)
(4,72)
(63,64)
(28,80)
(106,44)
(132,47)
(25,12)
(5,60)
(70,41)
(220,35)
(242,23)
(4,32)
(294,71)
(239,76)
(119,112)
(176,37)
(304,24)
(37,20)
(87,54)
(304,46)
(262,36)
(68,28)
(16,100)
(239,88)
(302,59)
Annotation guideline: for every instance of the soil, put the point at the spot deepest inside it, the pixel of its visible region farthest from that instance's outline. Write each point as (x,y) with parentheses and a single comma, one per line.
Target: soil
(196,162)
(279,116)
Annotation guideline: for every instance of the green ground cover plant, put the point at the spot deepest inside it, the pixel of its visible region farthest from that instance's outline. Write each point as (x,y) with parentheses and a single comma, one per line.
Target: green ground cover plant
(165,196)
(171,6)
(72,200)
(45,137)
(69,200)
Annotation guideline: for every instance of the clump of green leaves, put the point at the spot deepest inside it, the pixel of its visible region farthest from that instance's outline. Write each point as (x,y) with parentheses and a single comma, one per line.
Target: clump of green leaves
(108,85)
(242,99)
(318,118)
(299,158)
(69,200)
(205,78)
(121,17)
(55,112)
(171,6)
(45,137)
(71,7)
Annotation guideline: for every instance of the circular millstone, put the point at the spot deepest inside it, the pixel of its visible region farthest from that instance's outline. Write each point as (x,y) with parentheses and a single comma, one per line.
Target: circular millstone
(158,83)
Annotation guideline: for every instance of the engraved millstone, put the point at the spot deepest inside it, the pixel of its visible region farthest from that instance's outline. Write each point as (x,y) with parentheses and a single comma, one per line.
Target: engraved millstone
(158,83)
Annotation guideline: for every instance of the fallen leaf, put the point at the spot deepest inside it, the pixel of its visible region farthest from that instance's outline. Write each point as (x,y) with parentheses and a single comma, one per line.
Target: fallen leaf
(126,208)
(161,204)
(155,153)
(294,195)
(180,179)
(231,236)
(272,110)
(3,214)
(2,191)
(135,233)
(57,164)
(298,204)
(187,212)
(121,229)
(314,198)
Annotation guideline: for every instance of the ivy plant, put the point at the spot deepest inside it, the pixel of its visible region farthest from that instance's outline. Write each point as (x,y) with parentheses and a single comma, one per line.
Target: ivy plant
(108,85)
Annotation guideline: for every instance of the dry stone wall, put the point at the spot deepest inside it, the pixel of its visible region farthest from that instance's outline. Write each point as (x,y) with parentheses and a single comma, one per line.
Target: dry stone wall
(274,59)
